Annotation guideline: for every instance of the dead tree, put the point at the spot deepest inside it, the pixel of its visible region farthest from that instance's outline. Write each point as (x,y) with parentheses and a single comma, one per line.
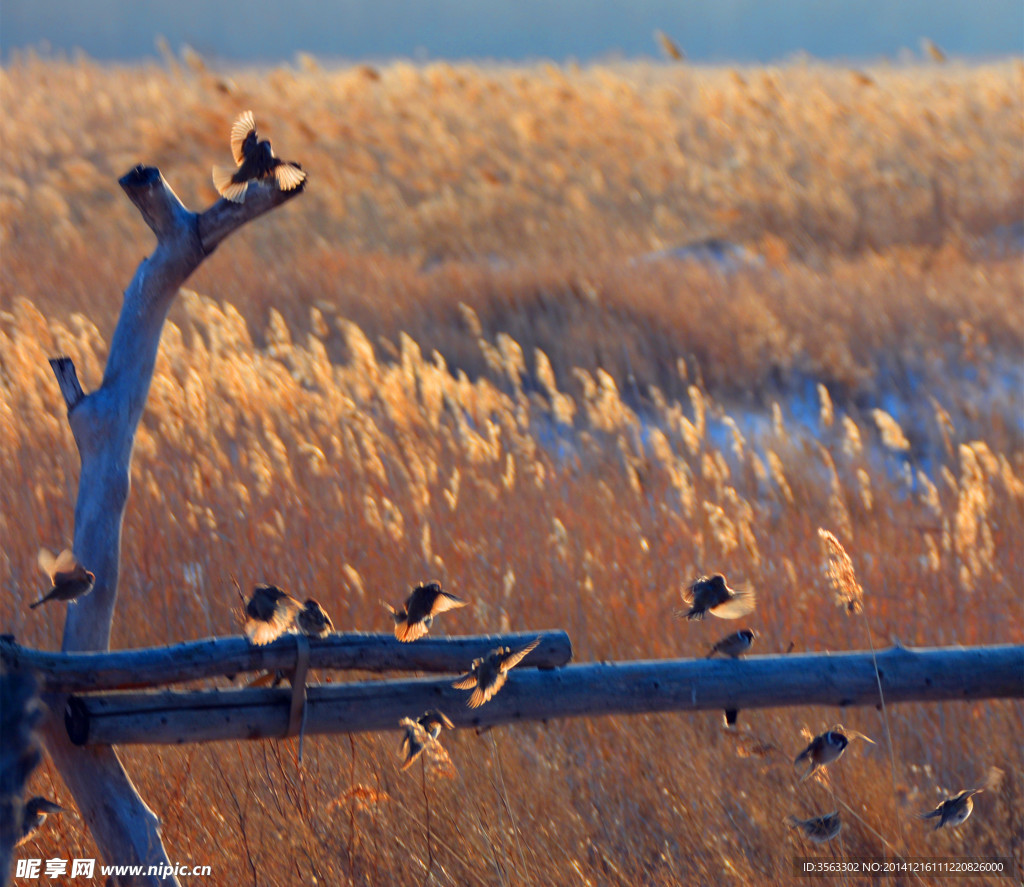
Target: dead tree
(104,423)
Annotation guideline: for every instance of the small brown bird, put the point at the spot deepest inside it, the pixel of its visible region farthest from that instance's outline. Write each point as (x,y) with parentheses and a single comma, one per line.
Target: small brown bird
(417,614)
(953,811)
(735,645)
(827,747)
(36,811)
(819,829)
(434,721)
(712,595)
(421,734)
(255,160)
(270,612)
(313,621)
(69,578)
(487,675)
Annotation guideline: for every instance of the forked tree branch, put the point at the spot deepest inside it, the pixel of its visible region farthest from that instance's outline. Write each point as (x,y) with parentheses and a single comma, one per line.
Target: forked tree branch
(104,424)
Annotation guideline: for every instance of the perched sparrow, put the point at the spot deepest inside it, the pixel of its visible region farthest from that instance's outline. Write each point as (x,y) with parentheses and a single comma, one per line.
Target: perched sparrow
(69,578)
(34,816)
(434,721)
(714,596)
(255,160)
(820,829)
(488,675)
(953,811)
(417,614)
(735,645)
(827,747)
(270,612)
(313,621)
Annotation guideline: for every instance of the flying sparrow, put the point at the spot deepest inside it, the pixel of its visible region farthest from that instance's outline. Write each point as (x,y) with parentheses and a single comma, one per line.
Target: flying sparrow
(313,621)
(270,612)
(712,595)
(819,829)
(488,674)
(434,721)
(69,578)
(34,816)
(827,747)
(735,645)
(422,734)
(417,614)
(254,160)
(953,811)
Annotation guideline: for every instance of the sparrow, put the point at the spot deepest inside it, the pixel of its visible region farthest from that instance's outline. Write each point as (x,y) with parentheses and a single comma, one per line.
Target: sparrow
(313,621)
(735,645)
(820,829)
(953,811)
(417,614)
(255,160)
(414,741)
(712,595)
(69,578)
(827,747)
(488,674)
(270,612)
(434,721)
(36,811)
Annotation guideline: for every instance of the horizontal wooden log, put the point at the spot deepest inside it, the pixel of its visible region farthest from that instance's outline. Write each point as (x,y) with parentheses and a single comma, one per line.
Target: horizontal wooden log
(152,666)
(835,680)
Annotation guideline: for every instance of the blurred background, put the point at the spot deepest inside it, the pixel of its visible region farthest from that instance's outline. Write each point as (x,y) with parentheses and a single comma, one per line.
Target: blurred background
(708,30)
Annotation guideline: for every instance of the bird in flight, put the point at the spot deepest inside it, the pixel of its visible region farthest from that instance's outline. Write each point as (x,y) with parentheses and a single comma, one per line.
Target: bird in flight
(421,734)
(712,595)
(70,580)
(269,613)
(36,811)
(254,161)
(488,674)
(417,614)
(953,811)
(819,829)
(827,747)
(735,645)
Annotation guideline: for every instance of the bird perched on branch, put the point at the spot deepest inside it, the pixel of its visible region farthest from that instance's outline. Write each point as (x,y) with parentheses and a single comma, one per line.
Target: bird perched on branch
(421,734)
(36,811)
(417,614)
(270,612)
(827,747)
(953,811)
(255,160)
(819,829)
(712,595)
(735,645)
(70,580)
(313,621)
(488,674)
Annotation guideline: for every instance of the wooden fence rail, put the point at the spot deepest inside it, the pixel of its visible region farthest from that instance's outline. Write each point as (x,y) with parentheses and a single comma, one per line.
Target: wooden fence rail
(151,666)
(839,680)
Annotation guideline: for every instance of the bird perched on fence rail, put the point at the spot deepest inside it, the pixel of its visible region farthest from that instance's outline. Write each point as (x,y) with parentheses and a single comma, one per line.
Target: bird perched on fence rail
(735,645)
(712,595)
(417,614)
(313,621)
(488,674)
(70,580)
(270,612)
(953,811)
(819,829)
(255,161)
(36,811)
(827,747)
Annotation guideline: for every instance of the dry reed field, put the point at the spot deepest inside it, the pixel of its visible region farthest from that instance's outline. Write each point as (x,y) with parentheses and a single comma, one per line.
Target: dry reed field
(469,353)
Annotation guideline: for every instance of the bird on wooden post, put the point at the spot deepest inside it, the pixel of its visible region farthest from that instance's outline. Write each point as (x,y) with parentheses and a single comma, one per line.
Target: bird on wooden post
(953,811)
(827,747)
(417,614)
(70,580)
(488,674)
(819,829)
(36,811)
(712,595)
(313,621)
(735,645)
(270,612)
(255,161)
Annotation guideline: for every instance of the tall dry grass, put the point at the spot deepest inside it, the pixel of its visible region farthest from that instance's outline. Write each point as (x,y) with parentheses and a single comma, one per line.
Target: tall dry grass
(366,396)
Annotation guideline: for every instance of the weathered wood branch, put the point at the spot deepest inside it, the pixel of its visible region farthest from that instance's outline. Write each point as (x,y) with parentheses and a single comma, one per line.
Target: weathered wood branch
(836,680)
(20,712)
(104,424)
(121,669)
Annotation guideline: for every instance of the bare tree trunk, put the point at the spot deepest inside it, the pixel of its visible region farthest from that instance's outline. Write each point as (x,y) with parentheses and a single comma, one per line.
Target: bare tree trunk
(103,424)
